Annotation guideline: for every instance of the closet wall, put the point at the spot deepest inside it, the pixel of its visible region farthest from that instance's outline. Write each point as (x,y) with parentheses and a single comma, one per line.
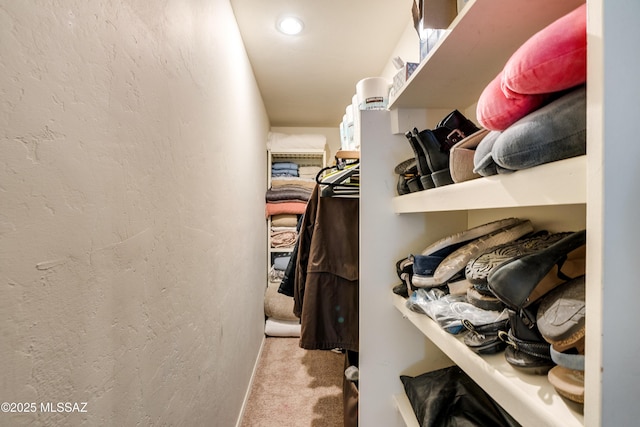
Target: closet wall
(132,177)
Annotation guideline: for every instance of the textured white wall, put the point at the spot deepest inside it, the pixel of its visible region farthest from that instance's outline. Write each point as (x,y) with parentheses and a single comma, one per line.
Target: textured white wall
(132,230)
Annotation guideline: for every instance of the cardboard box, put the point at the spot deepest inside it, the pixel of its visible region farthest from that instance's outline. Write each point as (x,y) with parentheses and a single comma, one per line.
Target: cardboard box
(431,19)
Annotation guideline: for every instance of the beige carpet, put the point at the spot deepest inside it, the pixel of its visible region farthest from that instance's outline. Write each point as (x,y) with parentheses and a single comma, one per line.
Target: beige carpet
(294,387)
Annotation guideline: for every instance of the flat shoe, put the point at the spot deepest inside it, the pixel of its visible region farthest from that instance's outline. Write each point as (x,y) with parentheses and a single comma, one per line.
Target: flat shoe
(450,243)
(484,302)
(561,315)
(445,246)
(455,262)
(527,363)
(483,339)
(568,383)
(479,268)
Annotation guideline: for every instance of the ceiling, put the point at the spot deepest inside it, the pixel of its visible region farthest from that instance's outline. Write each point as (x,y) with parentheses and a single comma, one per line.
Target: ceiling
(309,79)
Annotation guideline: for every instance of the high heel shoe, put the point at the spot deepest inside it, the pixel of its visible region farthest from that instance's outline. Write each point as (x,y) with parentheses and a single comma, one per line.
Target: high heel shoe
(523,280)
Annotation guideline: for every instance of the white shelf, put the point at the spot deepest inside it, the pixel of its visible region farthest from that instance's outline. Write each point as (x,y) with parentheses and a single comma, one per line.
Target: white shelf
(528,398)
(284,250)
(406,411)
(486,34)
(298,153)
(558,183)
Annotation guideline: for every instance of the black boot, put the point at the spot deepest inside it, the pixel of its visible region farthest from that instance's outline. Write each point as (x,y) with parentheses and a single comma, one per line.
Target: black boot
(424,174)
(436,143)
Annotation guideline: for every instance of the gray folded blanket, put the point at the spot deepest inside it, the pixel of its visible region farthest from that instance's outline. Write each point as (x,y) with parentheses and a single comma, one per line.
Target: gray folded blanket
(288,193)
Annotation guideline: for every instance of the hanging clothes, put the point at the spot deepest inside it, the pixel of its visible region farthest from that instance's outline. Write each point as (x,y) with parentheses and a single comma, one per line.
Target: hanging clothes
(326,273)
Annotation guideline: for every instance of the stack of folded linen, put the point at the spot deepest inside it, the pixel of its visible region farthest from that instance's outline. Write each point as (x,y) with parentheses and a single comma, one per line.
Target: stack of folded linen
(288,193)
(281,322)
(309,172)
(283,230)
(284,169)
(283,142)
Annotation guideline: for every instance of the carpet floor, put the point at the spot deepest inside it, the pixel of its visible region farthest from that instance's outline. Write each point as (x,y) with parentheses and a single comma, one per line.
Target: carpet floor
(294,387)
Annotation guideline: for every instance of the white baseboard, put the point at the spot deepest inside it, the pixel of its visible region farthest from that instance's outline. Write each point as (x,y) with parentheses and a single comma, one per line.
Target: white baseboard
(250,386)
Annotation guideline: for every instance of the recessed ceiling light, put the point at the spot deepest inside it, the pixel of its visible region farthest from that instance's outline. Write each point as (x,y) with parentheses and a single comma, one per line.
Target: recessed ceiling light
(290,25)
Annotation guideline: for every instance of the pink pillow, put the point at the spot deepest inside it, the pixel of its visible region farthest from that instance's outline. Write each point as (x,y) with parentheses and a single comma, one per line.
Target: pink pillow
(553,59)
(497,112)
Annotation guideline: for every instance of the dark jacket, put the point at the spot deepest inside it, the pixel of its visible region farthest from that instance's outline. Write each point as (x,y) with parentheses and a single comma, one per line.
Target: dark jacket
(326,276)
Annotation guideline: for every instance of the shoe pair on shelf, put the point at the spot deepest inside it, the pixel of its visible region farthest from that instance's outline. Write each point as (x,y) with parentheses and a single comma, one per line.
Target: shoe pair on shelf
(431,150)
(443,261)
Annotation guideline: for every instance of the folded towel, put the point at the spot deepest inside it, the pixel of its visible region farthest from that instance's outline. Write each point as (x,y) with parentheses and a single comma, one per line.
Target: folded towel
(283,141)
(274,229)
(287,193)
(282,328)
(280,174)
(284,165)
(309,172)
(294,207)
(284,220)
(293,182)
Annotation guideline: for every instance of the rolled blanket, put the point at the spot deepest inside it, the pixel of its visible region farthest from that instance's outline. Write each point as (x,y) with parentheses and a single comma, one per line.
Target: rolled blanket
(282,328)
(278,306)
